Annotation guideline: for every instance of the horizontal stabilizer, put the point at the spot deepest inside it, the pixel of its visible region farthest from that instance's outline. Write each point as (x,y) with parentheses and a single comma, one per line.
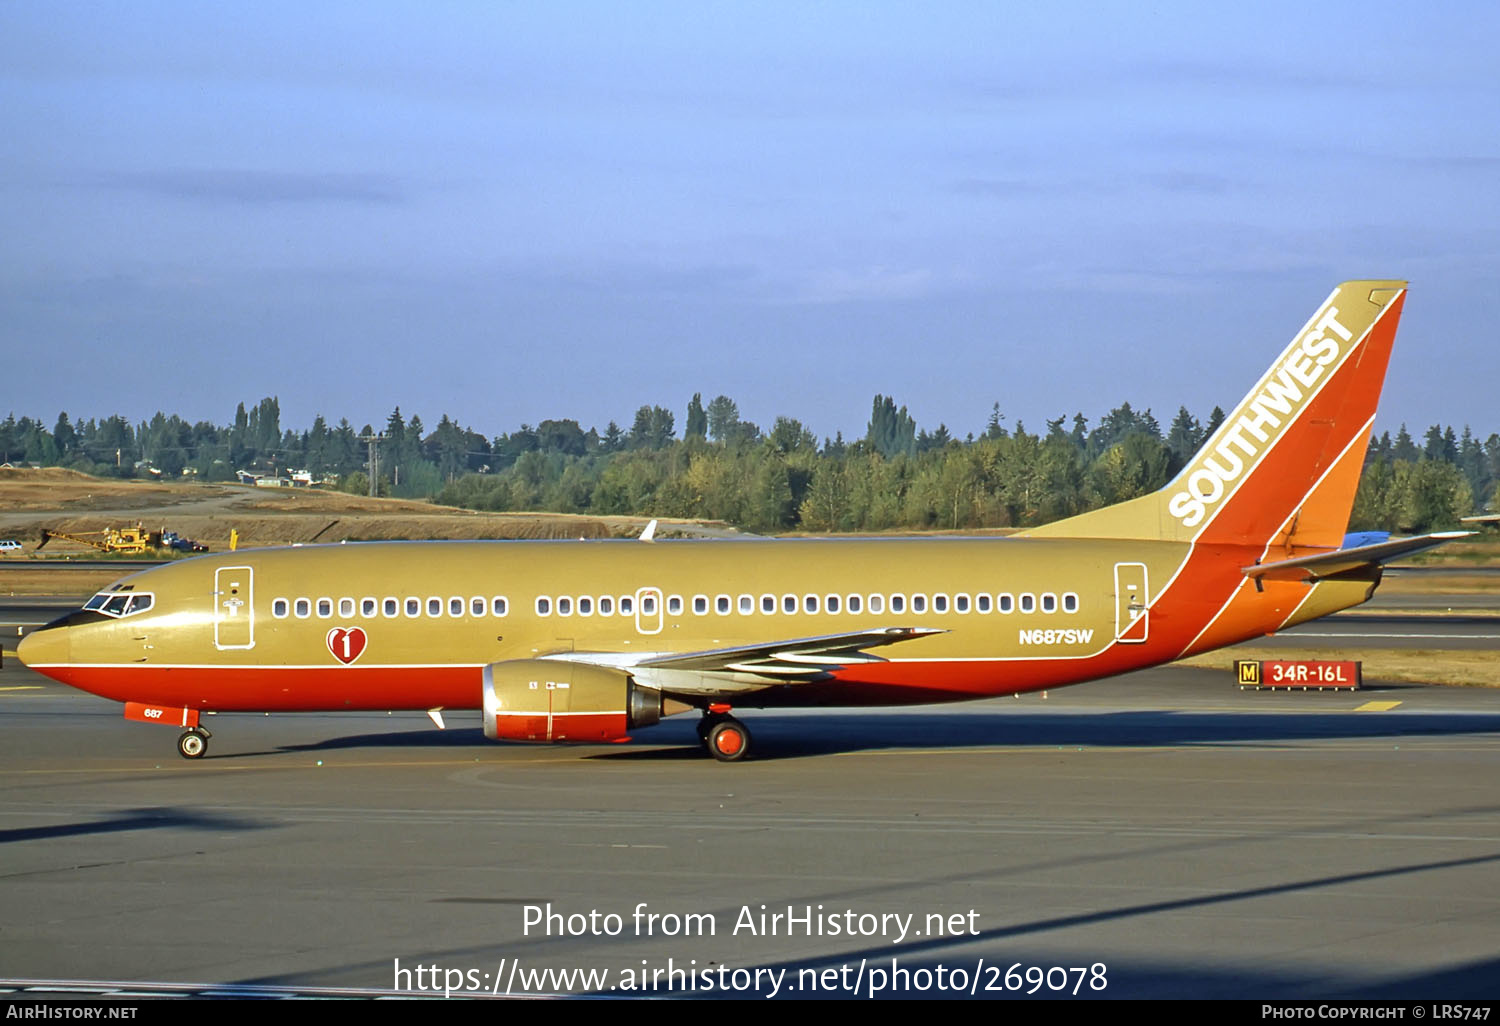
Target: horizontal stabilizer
(1343,561)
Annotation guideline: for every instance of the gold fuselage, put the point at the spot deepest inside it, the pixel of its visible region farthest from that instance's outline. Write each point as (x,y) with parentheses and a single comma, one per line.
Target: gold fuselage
(412,624)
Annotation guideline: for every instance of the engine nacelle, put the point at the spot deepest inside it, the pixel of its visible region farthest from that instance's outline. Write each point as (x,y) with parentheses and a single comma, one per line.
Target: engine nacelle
(553,700)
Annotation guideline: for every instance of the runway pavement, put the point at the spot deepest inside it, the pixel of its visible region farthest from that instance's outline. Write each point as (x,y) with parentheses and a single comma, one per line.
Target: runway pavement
(1184,837)
(1390,631)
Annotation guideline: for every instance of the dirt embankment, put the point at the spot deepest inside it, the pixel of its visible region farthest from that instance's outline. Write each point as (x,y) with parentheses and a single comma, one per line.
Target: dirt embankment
(63,500)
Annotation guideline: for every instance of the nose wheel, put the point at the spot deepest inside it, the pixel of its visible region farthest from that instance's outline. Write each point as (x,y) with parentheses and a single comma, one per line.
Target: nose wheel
(726,738)
(191,744)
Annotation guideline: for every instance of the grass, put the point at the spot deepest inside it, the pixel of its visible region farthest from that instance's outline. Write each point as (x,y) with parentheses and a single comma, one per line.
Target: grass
(1448,582)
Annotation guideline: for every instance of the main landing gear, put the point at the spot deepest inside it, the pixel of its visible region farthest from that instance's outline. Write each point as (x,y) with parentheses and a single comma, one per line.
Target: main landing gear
(191,744)
(726,738)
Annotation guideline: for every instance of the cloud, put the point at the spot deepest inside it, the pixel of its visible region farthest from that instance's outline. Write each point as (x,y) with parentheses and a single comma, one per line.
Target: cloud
(255,187)
(840,285)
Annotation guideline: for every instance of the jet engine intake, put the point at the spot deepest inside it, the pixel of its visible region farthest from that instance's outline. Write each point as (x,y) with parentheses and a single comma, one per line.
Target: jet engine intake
(547,700)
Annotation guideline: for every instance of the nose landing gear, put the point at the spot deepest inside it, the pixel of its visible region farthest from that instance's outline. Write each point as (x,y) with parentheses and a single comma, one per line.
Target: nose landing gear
(191,744)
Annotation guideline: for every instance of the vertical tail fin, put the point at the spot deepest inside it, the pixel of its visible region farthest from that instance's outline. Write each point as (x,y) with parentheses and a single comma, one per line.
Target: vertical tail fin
(1284,466)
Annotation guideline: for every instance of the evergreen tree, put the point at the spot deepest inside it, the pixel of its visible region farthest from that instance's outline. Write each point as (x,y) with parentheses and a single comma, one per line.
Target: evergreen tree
(239,438)
(723,418)
(318,449)
(994,429)
(1405,449)
(1470,461)
(1185,436)
(1435,448)
(65,437)
(653,428)
(613,440)
(1215,420)
(451,446)
(697,419)
(891,432)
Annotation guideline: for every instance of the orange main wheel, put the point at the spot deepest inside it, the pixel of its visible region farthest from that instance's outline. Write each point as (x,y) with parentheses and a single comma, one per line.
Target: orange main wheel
(728,740)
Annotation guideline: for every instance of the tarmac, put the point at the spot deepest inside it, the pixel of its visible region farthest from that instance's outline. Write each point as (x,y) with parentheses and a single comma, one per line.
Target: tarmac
(1163,834)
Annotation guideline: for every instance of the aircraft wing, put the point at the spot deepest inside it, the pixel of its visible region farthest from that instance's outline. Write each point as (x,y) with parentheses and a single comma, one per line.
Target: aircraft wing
(1343,561)
(741,668)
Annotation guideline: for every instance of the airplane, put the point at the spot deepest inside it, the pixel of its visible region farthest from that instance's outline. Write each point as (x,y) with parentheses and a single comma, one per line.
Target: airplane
(591,641)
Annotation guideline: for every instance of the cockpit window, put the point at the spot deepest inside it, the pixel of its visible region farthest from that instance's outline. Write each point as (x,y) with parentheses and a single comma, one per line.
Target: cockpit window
(120,603)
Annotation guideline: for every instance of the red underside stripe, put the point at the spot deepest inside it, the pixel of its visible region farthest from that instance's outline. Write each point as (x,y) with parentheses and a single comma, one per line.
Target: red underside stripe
(278,689)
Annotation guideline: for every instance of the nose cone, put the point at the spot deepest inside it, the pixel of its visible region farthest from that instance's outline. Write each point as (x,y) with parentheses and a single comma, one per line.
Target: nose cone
(49,646)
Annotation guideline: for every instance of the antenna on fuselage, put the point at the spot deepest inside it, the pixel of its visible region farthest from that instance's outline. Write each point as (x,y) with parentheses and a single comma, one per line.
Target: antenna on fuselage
(649,534)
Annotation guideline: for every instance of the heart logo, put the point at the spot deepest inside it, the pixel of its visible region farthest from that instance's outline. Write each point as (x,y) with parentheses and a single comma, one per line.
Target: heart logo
(346,643)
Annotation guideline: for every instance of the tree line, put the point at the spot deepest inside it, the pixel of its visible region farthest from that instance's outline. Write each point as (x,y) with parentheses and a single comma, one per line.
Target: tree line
(724,467)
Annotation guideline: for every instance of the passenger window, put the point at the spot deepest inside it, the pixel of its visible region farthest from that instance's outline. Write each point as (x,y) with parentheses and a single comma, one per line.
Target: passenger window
(831,603)
(648,605)
(919,603)
(721,604)
(877,604)
(543,606)
(585,605)
(456,606)
(674,605)
(499,606)
(855,601)
(747,604)
(789,604)
(809,603)
(1070,602)
(434,606)
(1028,602)
(279,608)
(982,603)
(325,608)
(898,603)
(476,606)
(413,607)
(1049,602)
(627,605)
(368,607)
(1006,602)
(768,603)
(390,607)
(346,607)
(700,604)
(606,605)
(564,606)
(960,603)
(303,608)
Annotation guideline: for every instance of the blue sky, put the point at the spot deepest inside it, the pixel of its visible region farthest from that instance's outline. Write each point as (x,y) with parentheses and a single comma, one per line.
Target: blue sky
(509,212)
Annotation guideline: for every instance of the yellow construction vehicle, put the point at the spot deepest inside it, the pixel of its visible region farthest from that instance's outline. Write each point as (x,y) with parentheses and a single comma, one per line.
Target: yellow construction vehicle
(125,541)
